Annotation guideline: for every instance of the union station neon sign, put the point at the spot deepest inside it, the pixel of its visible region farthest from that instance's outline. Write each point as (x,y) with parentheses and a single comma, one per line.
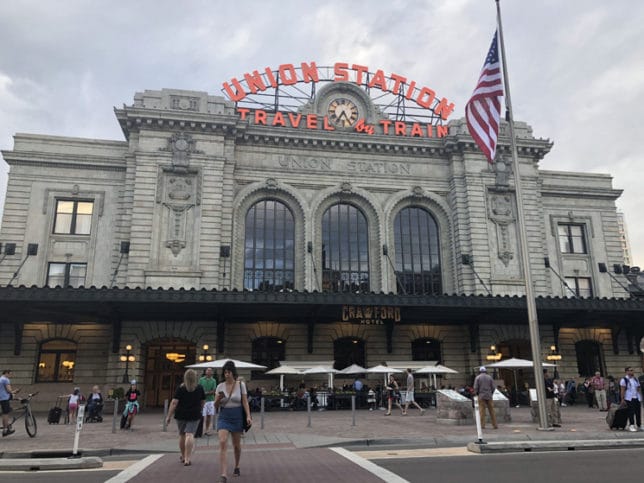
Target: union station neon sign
(260,83)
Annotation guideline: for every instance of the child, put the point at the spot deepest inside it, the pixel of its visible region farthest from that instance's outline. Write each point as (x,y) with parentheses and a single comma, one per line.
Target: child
(75,399)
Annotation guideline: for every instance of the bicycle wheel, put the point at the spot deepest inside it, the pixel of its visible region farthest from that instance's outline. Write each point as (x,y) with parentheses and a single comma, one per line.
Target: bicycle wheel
(30,423)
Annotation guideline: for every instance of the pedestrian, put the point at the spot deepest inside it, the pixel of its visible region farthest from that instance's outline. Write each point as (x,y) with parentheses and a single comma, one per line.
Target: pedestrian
(631,393)
(392,395)
(231,402)
(599,388)
(409,395)
(186,407)
(131,405)
(75,399)
(554,416)
(484,389)
(209,384)
(6,395)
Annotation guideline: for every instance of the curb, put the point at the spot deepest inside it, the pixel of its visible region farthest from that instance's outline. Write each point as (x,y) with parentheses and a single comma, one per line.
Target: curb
(560,445)
(39,464)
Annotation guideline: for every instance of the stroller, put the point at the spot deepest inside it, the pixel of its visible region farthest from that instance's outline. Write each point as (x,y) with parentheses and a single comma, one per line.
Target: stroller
(94,411)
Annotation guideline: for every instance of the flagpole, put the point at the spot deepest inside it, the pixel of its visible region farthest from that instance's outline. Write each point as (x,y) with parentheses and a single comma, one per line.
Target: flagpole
(533,322)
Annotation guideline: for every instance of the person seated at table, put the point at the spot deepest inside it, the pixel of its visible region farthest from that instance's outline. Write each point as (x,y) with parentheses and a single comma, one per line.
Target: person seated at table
(371,399)
(255,399)
(330,398)
(313,394)
(299,399)
(423,387)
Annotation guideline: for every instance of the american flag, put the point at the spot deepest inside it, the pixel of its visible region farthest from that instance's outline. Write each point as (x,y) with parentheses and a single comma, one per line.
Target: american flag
(483,110)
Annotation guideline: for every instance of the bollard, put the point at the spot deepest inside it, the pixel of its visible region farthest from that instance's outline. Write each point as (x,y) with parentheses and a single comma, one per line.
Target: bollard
(353,410)
(114,416)
(79,426)
(165,415)
(261,413)
(308,409)
(477,417)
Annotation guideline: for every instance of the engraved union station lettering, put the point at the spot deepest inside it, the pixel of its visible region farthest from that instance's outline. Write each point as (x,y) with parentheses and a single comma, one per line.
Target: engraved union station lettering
(320,164)
(370,315)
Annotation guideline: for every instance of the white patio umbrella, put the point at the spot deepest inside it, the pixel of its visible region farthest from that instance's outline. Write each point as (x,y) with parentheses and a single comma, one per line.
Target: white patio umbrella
(322,370)
(284,371)
(514,364)
(353,369)
(219,363)
(437,369)
(380,369)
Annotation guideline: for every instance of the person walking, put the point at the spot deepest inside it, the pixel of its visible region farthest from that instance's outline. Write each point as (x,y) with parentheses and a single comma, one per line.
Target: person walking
(392,394)
(186,407)
(631,398)
(554,416)
(6,394)
(131,405)
(599,387)
(209,384)
(409,396)
(231,402)
(484,389)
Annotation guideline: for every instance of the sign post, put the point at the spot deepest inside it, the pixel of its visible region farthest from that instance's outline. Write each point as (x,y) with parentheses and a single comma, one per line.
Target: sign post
(477,418)
(79,427)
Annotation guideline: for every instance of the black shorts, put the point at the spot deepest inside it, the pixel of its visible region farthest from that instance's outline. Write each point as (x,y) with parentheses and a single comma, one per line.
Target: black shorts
(6,406)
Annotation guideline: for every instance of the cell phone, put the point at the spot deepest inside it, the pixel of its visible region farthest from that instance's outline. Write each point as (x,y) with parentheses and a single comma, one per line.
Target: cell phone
(222,393)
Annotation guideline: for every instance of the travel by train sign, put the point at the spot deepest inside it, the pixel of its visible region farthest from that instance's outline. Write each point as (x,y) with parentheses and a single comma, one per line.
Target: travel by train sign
(279,98)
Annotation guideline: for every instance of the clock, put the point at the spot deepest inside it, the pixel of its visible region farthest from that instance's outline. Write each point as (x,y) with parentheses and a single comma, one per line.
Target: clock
(342,112)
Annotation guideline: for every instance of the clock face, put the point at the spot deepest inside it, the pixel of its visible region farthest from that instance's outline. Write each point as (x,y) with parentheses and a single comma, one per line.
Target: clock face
(343,112)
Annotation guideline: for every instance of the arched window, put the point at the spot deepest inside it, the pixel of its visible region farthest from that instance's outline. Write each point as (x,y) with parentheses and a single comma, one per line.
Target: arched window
(267,351)
(56,361)
(590,358)
(426,349)
(345,250)
(347,351)
(269,247)
(418,269)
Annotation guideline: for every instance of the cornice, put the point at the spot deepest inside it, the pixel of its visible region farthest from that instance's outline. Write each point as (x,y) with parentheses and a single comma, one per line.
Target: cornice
(62,160)
(581,192)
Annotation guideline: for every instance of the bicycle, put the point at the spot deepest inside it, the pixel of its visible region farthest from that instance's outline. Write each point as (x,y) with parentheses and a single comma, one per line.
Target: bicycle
(26,412)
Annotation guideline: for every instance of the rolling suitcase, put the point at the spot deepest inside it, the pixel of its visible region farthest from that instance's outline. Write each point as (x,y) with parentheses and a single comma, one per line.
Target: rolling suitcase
(617,418)
(55,413)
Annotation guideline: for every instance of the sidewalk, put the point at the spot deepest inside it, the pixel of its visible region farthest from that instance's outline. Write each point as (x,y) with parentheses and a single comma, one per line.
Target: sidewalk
(289,429)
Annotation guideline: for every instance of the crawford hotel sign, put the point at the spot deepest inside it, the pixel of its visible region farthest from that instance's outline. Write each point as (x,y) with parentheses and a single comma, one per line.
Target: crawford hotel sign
(279,98)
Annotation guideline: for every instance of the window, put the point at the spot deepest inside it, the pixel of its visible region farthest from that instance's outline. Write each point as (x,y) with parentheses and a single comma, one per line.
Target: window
(418,268)
(589,358)
(56,361)
(73,217)
(426,349)
(269,256)
(267,351)
(572,239)
(66,274)
(582,286)
(345,250)
(347,351)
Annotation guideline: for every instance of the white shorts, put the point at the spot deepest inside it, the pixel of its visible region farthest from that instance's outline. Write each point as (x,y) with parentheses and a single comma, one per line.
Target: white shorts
(208,408)
(409,397)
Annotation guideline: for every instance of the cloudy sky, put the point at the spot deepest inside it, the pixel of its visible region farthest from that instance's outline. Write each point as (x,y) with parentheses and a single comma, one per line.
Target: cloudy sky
(576,67)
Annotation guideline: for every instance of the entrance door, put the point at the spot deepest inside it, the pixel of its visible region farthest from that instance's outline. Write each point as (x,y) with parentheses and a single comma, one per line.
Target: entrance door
(164,367)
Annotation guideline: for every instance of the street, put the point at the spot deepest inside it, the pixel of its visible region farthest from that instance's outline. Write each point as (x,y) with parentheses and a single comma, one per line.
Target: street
(399,465)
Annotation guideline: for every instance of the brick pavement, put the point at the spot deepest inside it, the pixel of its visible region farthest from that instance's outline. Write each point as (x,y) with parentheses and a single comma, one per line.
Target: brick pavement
(328,428)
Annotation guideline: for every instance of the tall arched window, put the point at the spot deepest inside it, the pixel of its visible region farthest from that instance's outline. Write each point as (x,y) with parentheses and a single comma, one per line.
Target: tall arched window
(56,361)
(590,358)
(269,247)
(347,351)
(426,349)
(418,269)
(267,351)
(345,250)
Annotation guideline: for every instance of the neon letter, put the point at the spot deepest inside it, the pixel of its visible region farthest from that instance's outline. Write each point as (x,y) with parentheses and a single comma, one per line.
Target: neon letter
(444,109)
(378,80)
(360,69)
(239,93)
(254,82)
(310,72)
(398,79)
(426,97)
(287,74)
(340,71)
(260,117)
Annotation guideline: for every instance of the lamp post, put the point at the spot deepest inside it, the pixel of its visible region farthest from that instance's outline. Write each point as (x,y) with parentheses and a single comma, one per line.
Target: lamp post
(127,358)
(493,356)
(553,357)
(205,357)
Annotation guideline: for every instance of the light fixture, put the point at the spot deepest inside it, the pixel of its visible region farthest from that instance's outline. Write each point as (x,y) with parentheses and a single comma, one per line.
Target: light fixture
(127,358)
(493,355)
(42,365)
(175,357)
(69,365)
(553,355)
(205,357)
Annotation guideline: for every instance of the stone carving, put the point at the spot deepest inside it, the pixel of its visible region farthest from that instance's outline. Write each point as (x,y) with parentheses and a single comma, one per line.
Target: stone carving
(502,170)
(417,191)
(271,183)
(502,214)
(181,145)
(346,187)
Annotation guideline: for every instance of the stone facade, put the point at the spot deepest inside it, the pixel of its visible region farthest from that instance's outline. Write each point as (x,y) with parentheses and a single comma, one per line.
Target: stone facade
(178,188)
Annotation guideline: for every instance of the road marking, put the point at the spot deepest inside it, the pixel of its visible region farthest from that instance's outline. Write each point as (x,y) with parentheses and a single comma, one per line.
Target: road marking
(372,468)
(135,469)
(415,453)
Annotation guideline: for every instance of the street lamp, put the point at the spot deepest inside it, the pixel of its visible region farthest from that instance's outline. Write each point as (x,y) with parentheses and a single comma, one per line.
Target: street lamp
(205,357)
(493,355)
(553,357)
(127,358)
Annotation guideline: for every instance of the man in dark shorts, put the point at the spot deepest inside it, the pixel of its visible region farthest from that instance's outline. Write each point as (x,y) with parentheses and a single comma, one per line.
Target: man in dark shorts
(6,394)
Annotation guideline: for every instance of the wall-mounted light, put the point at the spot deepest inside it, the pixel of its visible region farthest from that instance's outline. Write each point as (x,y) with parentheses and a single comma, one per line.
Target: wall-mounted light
(175,357)
(493,355)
